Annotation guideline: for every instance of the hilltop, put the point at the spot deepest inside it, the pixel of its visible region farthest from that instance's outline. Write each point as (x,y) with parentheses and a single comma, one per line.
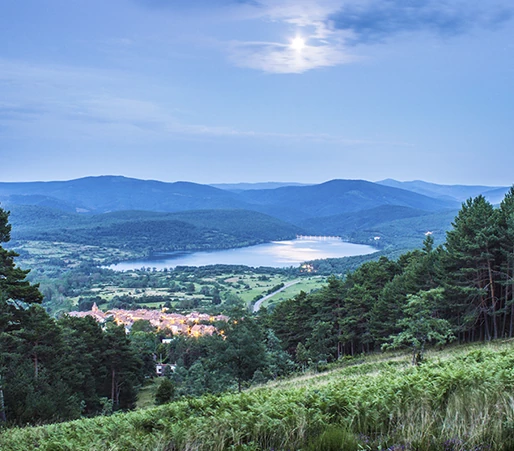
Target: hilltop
(292,203)
(458,193)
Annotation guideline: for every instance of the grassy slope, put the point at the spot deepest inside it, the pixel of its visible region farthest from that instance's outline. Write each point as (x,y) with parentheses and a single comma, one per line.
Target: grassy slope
(457,400)
(307,284)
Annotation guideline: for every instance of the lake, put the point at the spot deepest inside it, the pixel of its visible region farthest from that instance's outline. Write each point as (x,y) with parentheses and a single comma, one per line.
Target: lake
(278,254)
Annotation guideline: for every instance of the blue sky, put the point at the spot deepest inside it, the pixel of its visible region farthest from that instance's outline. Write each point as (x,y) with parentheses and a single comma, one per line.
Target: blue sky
(214,90)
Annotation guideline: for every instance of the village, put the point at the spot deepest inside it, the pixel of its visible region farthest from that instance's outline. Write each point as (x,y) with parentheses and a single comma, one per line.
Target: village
(193,324)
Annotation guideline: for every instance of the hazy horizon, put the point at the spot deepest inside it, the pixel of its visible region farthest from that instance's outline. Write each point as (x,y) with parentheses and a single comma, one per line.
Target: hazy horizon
(282,182)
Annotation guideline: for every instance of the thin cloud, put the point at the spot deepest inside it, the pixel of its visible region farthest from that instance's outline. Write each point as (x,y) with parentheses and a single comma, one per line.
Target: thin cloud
(84,111)
(333,26)
(283,59)
(324,46)
(374,21)
(188,4)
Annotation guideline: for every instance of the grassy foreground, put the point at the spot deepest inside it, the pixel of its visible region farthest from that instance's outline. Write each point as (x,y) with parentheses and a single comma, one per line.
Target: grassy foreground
(458,400)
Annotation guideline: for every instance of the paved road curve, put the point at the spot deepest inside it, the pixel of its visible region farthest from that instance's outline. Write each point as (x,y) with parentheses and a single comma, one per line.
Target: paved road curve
(258,304)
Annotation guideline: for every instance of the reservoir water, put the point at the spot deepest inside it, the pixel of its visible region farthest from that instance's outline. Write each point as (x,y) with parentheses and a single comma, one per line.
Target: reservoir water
(278,254)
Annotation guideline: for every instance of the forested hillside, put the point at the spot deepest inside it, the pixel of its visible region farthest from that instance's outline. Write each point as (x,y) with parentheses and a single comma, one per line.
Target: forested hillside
(110,193)
(149,232)
(394,226)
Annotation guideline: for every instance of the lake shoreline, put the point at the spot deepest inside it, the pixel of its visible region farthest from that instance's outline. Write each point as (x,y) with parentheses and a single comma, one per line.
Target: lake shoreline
(276,254)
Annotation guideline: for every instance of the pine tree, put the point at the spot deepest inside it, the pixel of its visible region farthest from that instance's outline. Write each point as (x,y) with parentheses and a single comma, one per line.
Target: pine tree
(472,262)
(278,361)
(82,366)
(364,287)
(506,232)
(421,324)
(124,366)
(245,351)
(165,392)
(15,294)
(15,291)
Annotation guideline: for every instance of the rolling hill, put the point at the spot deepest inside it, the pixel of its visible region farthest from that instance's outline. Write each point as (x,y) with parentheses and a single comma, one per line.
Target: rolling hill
(150,231)
(113,193)
(387,225)
(341,196)
(458,193)
(238,187)
(345,223)
(292,203)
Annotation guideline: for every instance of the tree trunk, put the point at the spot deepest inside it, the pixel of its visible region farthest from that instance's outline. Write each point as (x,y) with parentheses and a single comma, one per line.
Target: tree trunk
(493,299)
(505,296)
(511,325)
(118,391)
(113,384)
(3,417)
(487,332)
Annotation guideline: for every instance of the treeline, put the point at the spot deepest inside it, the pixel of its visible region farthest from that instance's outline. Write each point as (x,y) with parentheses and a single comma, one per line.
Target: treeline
(67,369)
(56,370)
(462,289)
(344,265)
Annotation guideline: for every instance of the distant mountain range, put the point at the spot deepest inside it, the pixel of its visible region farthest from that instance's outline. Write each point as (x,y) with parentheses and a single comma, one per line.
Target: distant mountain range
(458,193)
(114,193)
(110,193)
(264,185)
(356,209)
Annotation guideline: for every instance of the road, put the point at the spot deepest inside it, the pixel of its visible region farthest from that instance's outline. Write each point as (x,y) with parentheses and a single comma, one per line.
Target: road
(258,304)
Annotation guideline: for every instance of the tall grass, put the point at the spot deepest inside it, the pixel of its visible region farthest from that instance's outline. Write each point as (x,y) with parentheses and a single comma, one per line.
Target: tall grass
(462,402)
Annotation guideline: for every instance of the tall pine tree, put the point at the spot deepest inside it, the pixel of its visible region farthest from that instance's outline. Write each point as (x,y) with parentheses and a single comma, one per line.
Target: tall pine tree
(15,294)
(472,263)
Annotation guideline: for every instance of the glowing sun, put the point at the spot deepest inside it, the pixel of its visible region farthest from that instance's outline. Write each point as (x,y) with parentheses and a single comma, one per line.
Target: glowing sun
(298,43)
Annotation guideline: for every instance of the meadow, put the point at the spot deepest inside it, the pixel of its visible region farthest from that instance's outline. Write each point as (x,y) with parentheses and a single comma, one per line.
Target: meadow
(459,399)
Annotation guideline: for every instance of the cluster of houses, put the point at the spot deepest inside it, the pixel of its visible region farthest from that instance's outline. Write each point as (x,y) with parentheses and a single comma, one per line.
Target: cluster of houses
(192,324)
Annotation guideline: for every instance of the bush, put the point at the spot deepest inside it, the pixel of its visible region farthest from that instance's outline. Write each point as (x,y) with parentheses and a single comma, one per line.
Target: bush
(165,392)
(334,438)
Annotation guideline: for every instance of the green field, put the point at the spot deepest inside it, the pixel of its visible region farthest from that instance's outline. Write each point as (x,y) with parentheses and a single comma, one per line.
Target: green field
(175,287)
(55,258)
(308,284)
